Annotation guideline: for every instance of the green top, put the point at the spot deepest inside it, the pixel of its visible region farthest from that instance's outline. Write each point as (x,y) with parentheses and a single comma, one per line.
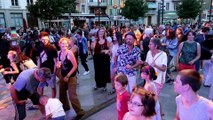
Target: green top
(188,52)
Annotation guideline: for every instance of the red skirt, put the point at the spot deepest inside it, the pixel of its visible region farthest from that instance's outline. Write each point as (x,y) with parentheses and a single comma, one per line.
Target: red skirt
(186,66)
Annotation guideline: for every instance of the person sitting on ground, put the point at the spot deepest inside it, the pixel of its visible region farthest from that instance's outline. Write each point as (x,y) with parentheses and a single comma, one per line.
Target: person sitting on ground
(121,82)
(53,108)
(141,105)
(190,105)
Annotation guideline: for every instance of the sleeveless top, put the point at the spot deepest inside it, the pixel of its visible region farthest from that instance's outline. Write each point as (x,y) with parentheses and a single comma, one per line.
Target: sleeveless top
(14,76)
(197,111)
(99,47)
(66,66)
(188,52)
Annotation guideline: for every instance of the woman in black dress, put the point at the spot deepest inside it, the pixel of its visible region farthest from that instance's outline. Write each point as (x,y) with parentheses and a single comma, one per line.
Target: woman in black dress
(101,60)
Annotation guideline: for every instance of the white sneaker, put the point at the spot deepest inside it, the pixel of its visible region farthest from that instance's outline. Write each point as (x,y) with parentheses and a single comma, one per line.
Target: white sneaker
(86,72)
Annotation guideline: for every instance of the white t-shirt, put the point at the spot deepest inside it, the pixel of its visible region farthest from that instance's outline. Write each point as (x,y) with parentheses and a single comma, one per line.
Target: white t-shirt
(160,60)
(54,107)
(197,111)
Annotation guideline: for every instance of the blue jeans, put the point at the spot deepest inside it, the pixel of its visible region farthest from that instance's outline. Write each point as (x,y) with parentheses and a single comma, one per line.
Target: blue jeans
(197,65)
(59,118)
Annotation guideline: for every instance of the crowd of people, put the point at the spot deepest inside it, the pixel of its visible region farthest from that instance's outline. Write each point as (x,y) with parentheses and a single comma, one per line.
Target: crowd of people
(31,59)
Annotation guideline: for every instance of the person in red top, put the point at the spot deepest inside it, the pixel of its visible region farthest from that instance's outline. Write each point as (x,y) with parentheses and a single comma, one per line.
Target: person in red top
(123,96)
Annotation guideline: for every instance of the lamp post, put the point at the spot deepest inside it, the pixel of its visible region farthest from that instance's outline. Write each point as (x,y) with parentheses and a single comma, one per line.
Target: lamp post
(162,10)
(99,12)
(210,10)
(115,7)
(201,11)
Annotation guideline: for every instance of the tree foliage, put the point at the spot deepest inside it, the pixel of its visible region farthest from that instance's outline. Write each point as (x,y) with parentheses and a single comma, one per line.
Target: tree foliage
(134,9)
(188,9)
(51,9)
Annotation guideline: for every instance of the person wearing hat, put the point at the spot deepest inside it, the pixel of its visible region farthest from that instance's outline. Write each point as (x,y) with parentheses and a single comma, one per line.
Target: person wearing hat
(126,60)
(25,87)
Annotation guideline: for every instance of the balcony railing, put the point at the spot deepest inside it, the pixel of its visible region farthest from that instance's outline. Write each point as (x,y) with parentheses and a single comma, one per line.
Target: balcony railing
(95,4)
(151,12)
(175,0)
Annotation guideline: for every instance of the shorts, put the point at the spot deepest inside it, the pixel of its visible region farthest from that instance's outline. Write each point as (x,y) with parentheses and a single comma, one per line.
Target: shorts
(112,68)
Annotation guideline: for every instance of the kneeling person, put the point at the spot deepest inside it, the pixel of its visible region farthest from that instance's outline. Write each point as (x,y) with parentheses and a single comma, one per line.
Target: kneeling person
(26,87)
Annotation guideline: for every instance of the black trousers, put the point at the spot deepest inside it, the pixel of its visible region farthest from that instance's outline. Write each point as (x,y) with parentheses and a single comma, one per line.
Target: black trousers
(83,58)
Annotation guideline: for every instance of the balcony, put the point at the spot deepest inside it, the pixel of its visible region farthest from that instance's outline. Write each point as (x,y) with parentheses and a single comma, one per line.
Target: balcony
(151,12)
(95,4)
(150,0)
(152,5)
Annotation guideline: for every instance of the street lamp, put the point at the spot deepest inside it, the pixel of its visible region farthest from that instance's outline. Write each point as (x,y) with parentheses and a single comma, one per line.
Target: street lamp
(115,7)
(99,12)
(162,11)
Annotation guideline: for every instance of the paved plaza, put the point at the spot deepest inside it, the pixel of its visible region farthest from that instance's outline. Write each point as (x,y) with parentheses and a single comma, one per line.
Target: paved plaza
(97,104)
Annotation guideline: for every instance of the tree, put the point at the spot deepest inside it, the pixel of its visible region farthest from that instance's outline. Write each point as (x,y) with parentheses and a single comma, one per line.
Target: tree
(134,9)
(51,9)
(189,9)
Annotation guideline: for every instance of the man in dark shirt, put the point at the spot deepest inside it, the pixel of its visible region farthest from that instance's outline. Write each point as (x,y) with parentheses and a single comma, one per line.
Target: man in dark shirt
(47,57)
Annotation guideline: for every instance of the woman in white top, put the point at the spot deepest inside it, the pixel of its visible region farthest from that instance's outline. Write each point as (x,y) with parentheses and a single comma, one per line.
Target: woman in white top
(158,60)
(141,105)
(117,41)
(149,75)
(25,62)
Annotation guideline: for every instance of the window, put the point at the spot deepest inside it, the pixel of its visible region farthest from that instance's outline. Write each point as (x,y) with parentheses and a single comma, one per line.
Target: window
(14,2)
(90,0)
(110,12)
(159,6)
(82,8)
(175,6)
(111,2)
(2,20)
(16,19)
(119,2)
(29,2)
(167,6)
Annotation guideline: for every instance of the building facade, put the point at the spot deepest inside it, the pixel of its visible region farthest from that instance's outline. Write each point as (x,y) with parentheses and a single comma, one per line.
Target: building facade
(159,7)
(13,13)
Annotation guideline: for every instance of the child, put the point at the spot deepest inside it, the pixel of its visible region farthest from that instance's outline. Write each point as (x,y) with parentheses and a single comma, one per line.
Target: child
(141,105)
(123,96)
(148,74)
(14,69)
(53,108)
